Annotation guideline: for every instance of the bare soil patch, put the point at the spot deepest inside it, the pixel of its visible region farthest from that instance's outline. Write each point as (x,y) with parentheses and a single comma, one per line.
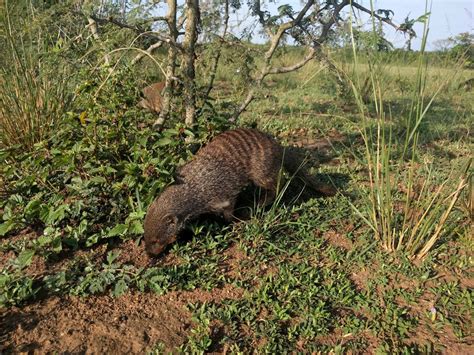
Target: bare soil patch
(132,323)
(338,240)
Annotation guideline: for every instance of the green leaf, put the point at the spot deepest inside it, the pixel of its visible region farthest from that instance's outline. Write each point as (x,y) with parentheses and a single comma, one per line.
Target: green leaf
(120,288)
(98,180)
(119,229)
(58,214)
(6,227)
(32,208)
(136,228)
(93,239)
(24,258)
(112,255)
(45,240)
(285,9)
(57,245)
(164,141)
(44,213)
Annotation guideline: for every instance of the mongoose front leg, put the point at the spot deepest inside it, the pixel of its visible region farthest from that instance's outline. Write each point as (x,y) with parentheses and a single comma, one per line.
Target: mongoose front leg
(229,214)
(226,208)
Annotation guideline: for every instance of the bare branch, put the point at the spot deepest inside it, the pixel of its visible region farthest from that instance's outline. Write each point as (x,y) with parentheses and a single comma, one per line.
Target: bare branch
(156,19)
(181,20)
(92,25)
(261,18)
(138,30)
(149,50)
(189,55)
(383,19)
(327,26)
(275,40)
(170,66)
(118,23)
(267,68)
(281,70)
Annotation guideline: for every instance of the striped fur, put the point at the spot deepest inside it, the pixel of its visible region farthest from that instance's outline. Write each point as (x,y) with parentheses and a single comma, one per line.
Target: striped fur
(212,180)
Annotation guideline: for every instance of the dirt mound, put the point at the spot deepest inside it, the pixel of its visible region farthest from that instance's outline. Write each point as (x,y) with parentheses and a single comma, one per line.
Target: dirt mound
(132,323)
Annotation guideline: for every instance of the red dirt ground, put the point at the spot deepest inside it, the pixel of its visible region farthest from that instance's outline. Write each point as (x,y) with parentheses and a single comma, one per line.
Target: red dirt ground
(133,323)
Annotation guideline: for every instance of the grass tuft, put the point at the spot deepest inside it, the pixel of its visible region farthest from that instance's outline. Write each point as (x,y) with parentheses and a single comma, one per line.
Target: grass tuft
(34,93)
(404,202)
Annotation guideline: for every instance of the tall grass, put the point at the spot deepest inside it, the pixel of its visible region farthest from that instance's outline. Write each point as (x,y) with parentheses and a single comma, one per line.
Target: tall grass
(34,91)
(407,203)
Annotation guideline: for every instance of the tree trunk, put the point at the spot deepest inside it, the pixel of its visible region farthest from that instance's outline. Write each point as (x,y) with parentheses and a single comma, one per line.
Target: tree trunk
(189,43)
(171,65)
(215,63)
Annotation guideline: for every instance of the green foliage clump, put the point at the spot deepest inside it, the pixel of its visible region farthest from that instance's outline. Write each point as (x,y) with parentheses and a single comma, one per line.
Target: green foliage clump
(89,182)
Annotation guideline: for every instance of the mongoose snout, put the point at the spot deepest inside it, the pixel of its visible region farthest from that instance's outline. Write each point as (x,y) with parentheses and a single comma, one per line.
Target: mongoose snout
(213,179)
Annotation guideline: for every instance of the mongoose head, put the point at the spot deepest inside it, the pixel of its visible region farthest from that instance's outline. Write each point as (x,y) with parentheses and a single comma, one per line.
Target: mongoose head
(163,222)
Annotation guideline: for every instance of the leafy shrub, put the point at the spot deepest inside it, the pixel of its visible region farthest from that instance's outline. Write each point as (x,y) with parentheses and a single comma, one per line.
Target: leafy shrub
(94,177)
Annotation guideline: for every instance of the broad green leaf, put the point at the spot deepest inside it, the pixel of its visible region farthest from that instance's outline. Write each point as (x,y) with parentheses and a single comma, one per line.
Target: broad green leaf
(32,207)
(98,180)
(57,215)
(112,255)
(117,230)
(45,240)
(57,244)
(136,228)
(24,258)
(164,141)
(6,227)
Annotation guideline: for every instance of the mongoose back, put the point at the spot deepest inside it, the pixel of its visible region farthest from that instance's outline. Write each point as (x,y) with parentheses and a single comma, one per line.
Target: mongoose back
(152,97)
(212,180)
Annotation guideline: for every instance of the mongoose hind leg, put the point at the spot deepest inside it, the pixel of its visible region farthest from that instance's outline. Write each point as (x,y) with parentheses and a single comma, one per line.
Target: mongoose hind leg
(269,185)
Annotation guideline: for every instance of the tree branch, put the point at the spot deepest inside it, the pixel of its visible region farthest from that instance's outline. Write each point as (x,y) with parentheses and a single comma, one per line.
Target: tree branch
(383,19)
(217,57)
(92,25)
(138,30)
(170,66)
(155,19)
(267,68)
(281,70)
(149,50)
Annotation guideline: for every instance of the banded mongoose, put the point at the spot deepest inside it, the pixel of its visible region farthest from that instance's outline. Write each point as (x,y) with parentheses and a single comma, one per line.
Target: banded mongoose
(212,180)
(152,97)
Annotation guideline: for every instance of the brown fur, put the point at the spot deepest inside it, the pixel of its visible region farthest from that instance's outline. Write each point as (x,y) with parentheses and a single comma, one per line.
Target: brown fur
(211,182)
(152,97)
